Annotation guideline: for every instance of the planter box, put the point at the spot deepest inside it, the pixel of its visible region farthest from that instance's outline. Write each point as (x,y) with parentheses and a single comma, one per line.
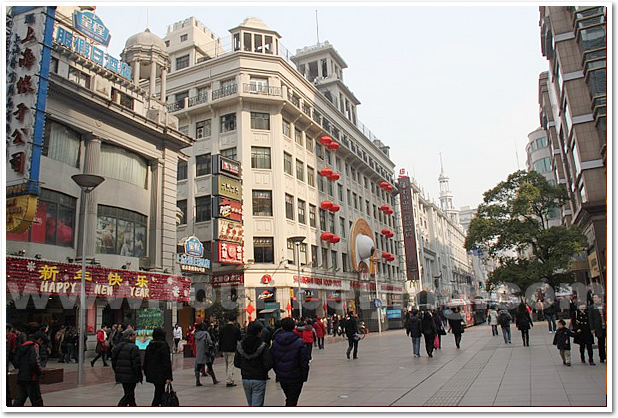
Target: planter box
(51,376)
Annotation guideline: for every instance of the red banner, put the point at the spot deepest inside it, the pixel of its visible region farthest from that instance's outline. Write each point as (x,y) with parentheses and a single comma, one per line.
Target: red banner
(41,276)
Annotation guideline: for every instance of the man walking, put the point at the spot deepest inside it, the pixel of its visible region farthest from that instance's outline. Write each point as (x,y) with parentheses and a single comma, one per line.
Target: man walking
(229,336)
(414,330)
(504,320)
(598,323)
(351,331)
(127,365)
(550,314)
(291,361)
(30,370)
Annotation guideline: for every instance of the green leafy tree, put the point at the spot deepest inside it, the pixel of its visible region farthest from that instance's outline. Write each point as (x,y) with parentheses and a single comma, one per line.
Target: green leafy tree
(512,226)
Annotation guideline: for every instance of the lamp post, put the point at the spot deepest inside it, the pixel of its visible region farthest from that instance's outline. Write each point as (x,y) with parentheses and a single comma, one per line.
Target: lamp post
(377,270)
(298,240)
(87,182)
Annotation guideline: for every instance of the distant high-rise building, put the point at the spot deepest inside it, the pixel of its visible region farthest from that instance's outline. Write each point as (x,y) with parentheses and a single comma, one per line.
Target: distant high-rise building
(573,109)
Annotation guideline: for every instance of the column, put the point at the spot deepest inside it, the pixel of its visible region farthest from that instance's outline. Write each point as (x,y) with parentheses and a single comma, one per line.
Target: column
(91,166)
(153,76)
(163,84)
(136,71)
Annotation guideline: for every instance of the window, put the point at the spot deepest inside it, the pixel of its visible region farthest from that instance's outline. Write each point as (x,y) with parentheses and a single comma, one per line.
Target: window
(203,129)
(61,143)
(354,200)
(291,252)
(182,205)
(334,258)
(263,249)
(121,232)
(182,170)
(260,121)
(262,202)
(123,165)
(319,151)
(182,62)
(349,197)
(331,222)
(340,192)
(203,209)
(229,153)
(342,227)
(55,221)
(312,209)
(286,128)
(298,136)
(289,206)
(310,176)
(287,163)
(236,42)
(367,206)
(324,258)
(309,144)
(260,157)
(344,262)
(268,44)
(543,165)
(301,212)
(203,165)
(122,99)
(300,170)
(576,160)
(322,220)
(320,183)
(331,188)
(78,77)
(314,256)
(258,85)
(228,122)
(329,157)
(183,38)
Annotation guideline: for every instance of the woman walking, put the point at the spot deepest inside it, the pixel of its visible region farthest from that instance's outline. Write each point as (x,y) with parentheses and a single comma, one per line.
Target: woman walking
(204,353)
(523,321)
(583,333)
(254,360)
(493,321)
(439,326)
(158,365)
(429,332)
(456,326)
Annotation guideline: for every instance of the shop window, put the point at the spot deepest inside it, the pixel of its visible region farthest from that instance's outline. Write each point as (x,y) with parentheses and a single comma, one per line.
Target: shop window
(121,232)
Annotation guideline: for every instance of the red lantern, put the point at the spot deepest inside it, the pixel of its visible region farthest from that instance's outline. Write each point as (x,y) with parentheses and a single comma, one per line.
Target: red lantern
(391,258)
(383,185)
(335,239)
(386,255)
(334,177)
(326,172)
(327,236)
(325,140)
(333,146)
(326,204)
(390,211)
(391,234)
(384,208)
(334,208)
(385,231)
(389,188)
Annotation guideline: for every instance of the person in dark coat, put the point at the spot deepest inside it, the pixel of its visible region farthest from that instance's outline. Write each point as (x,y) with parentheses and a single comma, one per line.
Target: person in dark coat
(30,371)
(291,361)
(351,332)
(439,327)
(598,323)
(45,346)
(550,313)
(562,340)
(583,333)
(229,337)
(127,365)
(158,365)
(254,360)
(524,323)
(204,353)
(415,330)
(428,327)
(456,326)
(504,320)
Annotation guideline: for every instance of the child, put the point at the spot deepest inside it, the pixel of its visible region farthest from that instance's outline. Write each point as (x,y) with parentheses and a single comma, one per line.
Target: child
(562,340)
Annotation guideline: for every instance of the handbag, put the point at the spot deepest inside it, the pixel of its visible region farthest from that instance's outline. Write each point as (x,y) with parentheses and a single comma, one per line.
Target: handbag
(441,331)
(436,342)
(169,397)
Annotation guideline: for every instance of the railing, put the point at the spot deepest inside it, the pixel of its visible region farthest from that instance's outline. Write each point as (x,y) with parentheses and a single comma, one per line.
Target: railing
(199,99)
(260,89)
(173,107)
(224,91)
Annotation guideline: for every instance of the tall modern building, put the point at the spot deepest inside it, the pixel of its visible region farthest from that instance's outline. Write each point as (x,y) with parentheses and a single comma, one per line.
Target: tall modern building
(573,113)
(307,168)
(73,109)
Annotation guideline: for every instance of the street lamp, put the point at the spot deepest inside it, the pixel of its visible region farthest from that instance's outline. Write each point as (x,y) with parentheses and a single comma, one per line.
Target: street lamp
(298,240)
(87,182)
(375,275)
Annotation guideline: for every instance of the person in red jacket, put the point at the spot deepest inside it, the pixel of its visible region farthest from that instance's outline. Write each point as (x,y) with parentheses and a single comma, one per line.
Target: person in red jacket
(102,346)
(320,332)
(306,332)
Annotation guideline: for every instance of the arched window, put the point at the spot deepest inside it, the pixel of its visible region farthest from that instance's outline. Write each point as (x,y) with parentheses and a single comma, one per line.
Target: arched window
(123,165)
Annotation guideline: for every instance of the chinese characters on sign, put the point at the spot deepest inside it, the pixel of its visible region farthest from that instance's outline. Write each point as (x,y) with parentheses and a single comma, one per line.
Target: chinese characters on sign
(230,253)
(409,233)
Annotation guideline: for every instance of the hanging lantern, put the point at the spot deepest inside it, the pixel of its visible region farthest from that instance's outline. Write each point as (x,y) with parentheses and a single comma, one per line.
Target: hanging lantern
(390,211)
(326,204)
(383,185)
(334,208)
(384,208)
(389,188)
(334,177)
(327,236)
(391,258)
(386,255)
(335,239)
(326,172)
(333,146)
(325,140)
(390,234)
(385,231)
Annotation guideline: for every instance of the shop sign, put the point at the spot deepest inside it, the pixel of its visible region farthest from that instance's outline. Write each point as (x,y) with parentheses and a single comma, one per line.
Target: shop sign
(91,25)
(265,294)
(229,209)
(20,213)
(28,276)
(234,279)
(266,279)
(228,187)
(333,296)
(227,166)
(318,281)
(311,295)
(230,231)
(593,265)
(192,260)
(409,231)
(230,253)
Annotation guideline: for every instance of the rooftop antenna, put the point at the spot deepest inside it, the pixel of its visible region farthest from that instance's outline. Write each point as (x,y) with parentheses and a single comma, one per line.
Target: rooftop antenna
(317,28)
(441,165)
(148,17)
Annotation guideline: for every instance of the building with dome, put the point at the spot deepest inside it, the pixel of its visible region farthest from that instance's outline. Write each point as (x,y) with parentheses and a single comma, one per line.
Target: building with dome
(93,116)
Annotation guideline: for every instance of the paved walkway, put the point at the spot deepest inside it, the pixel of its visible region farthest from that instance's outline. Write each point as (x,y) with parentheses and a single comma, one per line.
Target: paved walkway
(484,372)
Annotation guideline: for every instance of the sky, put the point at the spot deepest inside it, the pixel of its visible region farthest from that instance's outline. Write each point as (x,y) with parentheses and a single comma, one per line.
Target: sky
(456,79)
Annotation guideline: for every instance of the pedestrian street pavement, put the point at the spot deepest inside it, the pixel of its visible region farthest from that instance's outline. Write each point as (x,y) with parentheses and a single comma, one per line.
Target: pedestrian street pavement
(485,372)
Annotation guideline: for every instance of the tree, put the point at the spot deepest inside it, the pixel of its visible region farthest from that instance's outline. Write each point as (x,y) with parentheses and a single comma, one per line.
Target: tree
(512,226)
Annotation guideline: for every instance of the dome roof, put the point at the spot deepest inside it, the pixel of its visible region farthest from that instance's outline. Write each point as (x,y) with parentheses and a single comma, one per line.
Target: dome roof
(145,38)
(254,22)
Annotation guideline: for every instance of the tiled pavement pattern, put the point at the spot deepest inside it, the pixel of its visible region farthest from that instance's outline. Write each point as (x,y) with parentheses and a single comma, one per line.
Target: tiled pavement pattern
(484,372)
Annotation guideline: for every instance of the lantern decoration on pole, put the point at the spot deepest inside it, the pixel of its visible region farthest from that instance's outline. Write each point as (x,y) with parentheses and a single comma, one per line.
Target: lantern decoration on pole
(335,239)
(327,236)
(333,146)
(327,204)
(325,172)
(334,208)
(325,140)
(333,176)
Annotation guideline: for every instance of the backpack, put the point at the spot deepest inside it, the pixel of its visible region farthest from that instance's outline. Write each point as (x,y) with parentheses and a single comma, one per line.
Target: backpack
(503,319)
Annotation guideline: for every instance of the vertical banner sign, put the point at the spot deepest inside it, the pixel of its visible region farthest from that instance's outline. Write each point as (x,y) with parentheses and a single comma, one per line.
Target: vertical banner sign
(28,62)
(409,232)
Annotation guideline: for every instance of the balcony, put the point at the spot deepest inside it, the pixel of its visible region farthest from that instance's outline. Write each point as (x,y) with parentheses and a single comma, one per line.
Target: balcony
(224,91)
(176,106)
(261,89)
(199,99)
